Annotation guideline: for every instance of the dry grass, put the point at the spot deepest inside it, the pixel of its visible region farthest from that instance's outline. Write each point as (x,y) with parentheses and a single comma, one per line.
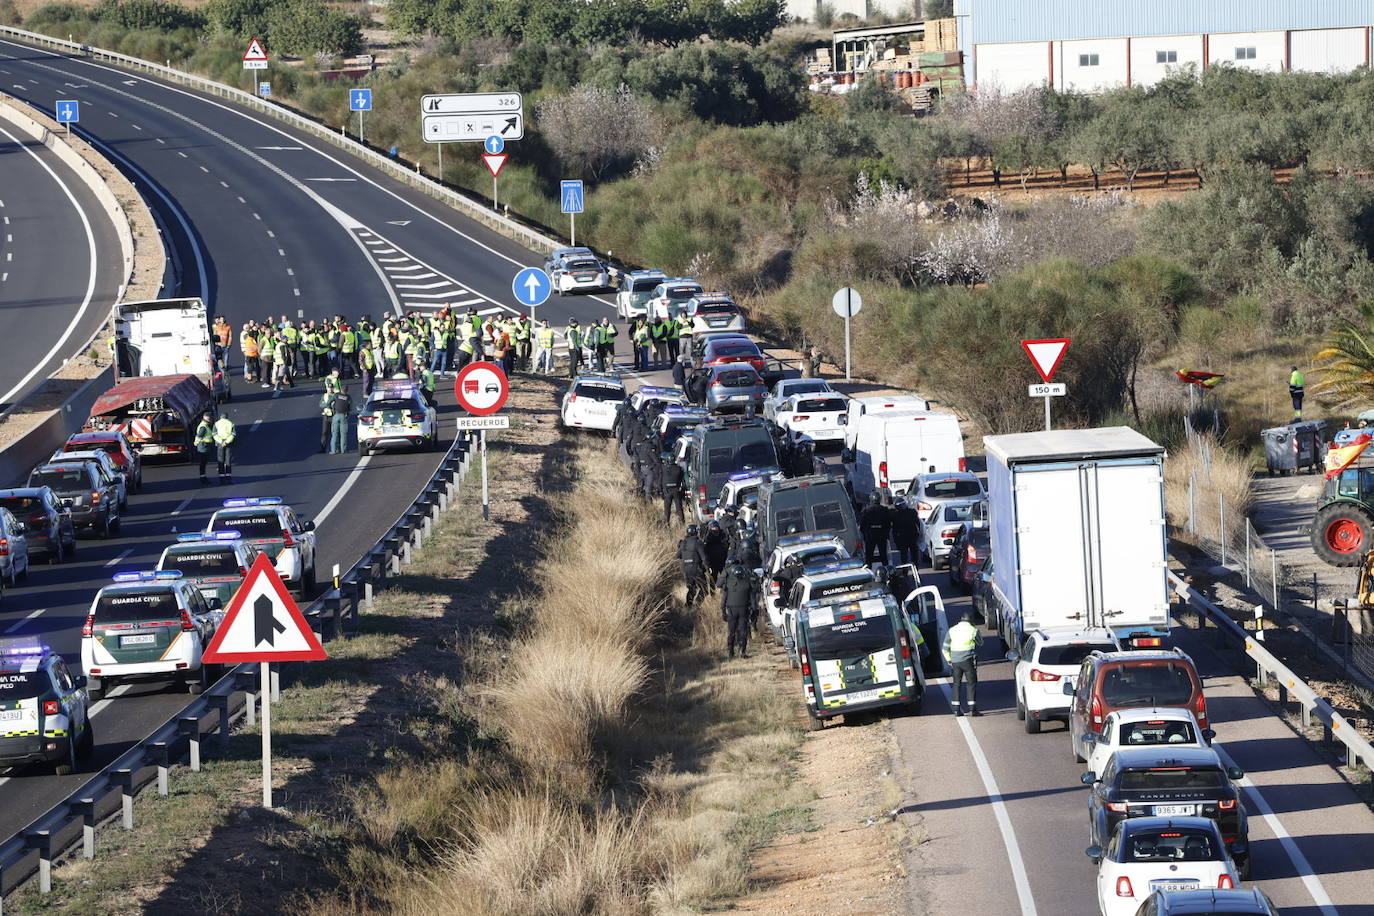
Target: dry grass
(1220,475)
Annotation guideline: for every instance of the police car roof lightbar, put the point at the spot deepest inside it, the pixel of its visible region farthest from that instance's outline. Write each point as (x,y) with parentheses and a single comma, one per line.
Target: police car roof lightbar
(792,540)
(212,536)
(849,599)
(661,389)
(24,646)
(245,501)
(148,575)
(837,566)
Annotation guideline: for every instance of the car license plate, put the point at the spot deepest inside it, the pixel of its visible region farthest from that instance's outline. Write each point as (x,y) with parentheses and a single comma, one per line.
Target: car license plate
(393,430)
(138,639)
(862,696)
(1174,885)
(10,715)
(1174,810)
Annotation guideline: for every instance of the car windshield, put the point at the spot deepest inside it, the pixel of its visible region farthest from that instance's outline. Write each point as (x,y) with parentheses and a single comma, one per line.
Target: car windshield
(1171,846)
(130,604)
(249,524)
(954,488)
(203,561)
(600,392)
(63,480)
(851,638)
(1142,684)
(1072,654)
(734,349)
(1143,734)
(641,297)
(20,504)
(715,308)
(804,387)
(108,447)
(739,378)
(958,513)
(1167,778)
(22,685)
(820,405)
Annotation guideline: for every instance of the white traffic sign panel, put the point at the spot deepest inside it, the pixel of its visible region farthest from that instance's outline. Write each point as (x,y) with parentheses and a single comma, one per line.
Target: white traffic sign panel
(255,58)
(472,103)
(1045,354)
(481,388)
(571,194)
(1054,390)
(494,162)
(474,423)
(494,144)
(68,111)
(531,287)
(846,302)
(263,623)
(360,100)
(471,128)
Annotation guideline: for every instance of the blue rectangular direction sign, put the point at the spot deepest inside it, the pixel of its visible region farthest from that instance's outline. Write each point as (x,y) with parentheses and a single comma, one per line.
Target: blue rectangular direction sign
(571,196)
(68,111)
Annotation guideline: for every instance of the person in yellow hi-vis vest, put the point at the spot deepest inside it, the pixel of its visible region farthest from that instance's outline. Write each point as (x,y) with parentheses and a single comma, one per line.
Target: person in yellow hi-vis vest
(1296,381)
(224,435)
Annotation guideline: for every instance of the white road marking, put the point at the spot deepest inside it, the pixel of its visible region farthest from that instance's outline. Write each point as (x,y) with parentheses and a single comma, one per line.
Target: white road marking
(160,140)
(127,551)
(184,503)
(182,155)
(242,201)
(421,285)
(136,127)
(281,251)
(258,217)
(256,424)
(20,623)
(100,705)
(205,170)
(276,147)
(296,291)
(331,179)
(343,490)
(224,184)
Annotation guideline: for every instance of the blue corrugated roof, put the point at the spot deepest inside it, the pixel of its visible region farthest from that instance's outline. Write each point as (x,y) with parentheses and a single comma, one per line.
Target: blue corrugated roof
(1045,20)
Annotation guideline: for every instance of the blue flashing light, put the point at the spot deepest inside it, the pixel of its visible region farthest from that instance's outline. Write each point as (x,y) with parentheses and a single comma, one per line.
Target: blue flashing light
(148,575)
(837,566)
(213,536)
(23,647)
(660,389)
(792,540)
(245,502)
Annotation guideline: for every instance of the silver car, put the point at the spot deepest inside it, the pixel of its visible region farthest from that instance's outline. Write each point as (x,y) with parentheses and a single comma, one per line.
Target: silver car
(579,273)
(928,489)
(734,387)
(940,527)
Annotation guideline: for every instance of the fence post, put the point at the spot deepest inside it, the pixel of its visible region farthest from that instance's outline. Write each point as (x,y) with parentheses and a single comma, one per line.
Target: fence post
(1247,553)
(124,776)
(1274,569)
(86,808)
(1221,526)
(190,727)
(1192,508)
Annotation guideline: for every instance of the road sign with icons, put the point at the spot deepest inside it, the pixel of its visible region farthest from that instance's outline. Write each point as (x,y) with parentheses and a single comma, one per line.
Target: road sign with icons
(264,88)
(571,194)
(481,388)
(494,145)
(473,117)
(263,623)
(531,287)
(68,111)
(360,100)
(255,58)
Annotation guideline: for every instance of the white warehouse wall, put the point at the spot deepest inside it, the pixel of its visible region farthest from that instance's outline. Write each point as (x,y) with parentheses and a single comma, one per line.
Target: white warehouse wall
(1070,73)
(1329,50)
(1269,49)
(1012,66)
(1146,69)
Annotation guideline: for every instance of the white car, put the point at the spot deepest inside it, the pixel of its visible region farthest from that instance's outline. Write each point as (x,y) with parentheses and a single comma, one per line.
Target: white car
(821,580)
(806,548)
(14,549)
(270,526)
(1148,854)
(941,527)
(397,415)
(741,492)
(1045,660)
(591,401)
(786,388)
(674,397)
(712,312)
(110,472)
(1167,727)
(558,254)
(636,289)
(669,298)
(579,273)
(818,419)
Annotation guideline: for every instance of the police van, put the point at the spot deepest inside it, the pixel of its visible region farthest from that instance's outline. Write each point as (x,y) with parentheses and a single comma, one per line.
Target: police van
(717,449)
(44,714)
(858,651)
(270,526)
(216,564)
(147,625)
(396,415)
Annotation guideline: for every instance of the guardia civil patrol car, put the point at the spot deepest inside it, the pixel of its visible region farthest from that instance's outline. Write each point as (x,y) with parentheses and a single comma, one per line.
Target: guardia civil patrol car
(856,653)
(216,564)
(396,416)
(591,401)
(147,625)
(44,716)
(270,526)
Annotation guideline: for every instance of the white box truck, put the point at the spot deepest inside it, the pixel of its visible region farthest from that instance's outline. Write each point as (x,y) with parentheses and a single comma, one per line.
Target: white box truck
(1078,535)
(892,447)
(165,337)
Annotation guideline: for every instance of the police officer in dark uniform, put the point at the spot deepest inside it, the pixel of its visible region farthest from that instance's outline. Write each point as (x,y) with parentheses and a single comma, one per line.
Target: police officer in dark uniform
(717,550)
(875,522)
(653,477)
(621,426)
(736,591)
(906,530)
(692,556)
(672,490)
(680,374)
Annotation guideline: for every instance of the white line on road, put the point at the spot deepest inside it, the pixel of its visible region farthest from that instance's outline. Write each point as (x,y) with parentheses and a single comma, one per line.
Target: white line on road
(343,490)
(160,140)
(32,615)
(281,251)
(135,127)
(127,551)
(259,217)
(182,155)
(290,272)
(256,424)
(224,184)
(102,704)
(205,170)
(184,503)
(242,201)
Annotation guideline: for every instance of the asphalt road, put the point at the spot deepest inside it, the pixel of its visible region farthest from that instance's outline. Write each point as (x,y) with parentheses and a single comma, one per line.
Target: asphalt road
(60,263)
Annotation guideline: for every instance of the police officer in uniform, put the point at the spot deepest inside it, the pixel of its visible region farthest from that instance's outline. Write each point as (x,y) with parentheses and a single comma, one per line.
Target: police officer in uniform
(224,435)
(961,651)
(672,490)
(205,439)
(906,530)
(692,556)
(736,590)
(875,523)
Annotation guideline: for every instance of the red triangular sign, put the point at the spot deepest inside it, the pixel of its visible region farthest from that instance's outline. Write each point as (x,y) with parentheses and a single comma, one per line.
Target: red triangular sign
(255,51)
(1046,354)
(263,623)
(494,161)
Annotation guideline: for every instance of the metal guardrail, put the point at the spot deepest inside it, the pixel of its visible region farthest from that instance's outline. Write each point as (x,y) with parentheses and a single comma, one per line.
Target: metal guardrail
(112,791)
(1292,689)
(525,235)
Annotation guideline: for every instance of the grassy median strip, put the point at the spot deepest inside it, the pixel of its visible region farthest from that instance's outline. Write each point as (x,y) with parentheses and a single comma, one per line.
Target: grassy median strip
(528,722)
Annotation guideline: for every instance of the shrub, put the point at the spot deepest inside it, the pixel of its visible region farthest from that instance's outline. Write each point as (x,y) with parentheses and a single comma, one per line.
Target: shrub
(592,129)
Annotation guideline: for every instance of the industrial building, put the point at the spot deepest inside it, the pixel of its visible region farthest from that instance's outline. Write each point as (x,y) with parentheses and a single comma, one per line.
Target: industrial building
(1090,45)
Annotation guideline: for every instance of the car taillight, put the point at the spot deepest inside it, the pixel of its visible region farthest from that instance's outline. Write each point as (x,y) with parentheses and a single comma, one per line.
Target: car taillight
(367,417)
(805,660)
(882,473)
(1123,887)
(95,497)
(922,506)
(963,464)
(1224,883)
(805,416)
(1226,804)
(287,540)
(949,534)
(1117,807)
(1200,708)
(4,547)
(1097,714)
(971,554)
(186,623)
(715,383)
(701,496)
(906,649)
(51,707)
(1147,642)
(38,520)
(88,628)
(1038,675)
(572,398)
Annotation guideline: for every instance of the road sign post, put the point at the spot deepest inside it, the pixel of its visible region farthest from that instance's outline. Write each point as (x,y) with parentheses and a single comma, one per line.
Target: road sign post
(1045,355)
(846,303)
(482,389)
(263,625)
(68,113)
(360,100)
(532,288)
(494,159)
(574,202)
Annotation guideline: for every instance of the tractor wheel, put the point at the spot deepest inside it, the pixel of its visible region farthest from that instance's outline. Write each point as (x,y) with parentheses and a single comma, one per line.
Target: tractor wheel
(1342,532)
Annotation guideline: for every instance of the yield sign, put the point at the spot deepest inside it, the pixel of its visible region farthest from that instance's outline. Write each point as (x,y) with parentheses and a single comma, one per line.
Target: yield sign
(494,161)
(263,623)
(1046,354)
(255,51)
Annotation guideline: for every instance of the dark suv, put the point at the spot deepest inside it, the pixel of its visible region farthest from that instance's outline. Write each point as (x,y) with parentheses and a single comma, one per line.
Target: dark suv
(1107,681)
(718,448)
(1161,782)
(93,501)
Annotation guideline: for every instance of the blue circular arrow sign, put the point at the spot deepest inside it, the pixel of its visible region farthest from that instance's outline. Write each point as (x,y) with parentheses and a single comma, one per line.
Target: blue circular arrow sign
(494,144)
(531,287)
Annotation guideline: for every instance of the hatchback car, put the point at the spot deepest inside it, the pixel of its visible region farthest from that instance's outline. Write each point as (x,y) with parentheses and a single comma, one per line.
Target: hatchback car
(591,401)
(786,388)
(579,273)
(558,254)
(1046,658)
(733,387)
(14,549)
(1163,728)
(1108,681)
(115,444)
(1150,854)
(702,341)
(714,312)
(83,491)
(1169,782)
(733,350)
(818,419)
(216,565)
(669,298)
(942,525)
(636,289)
(109,471)
(396,415)
(47,523)
(44,712)
(1250,901)
(270,526)
(970,550)
(929,490)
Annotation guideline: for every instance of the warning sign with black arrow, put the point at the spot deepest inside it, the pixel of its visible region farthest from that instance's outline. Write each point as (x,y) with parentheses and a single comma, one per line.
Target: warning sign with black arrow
(263,623)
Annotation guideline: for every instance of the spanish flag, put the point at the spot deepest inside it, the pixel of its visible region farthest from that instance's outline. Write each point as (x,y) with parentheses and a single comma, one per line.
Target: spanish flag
(1198,377)
(1340,457)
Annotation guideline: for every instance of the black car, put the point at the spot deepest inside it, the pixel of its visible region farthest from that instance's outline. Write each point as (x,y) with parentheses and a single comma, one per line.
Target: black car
(47,523)
(1163,782)
(970,551)
(1249,901)
(92,500)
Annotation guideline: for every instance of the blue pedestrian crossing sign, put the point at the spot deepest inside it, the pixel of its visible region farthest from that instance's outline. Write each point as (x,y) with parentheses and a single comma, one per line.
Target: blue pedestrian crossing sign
(264,88)
(360,100)
(68,111)
(531,287)
(494,145)
(572,196)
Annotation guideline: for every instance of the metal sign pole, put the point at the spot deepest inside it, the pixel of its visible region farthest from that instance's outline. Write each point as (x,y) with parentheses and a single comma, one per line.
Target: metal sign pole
(360,126)
(1047,413)
(848,316)
(441,160)
(265,694)
(494,205)
(486,508)
(572,229)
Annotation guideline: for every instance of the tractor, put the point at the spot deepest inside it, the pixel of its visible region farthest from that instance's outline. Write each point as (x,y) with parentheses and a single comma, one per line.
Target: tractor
(1343,528)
